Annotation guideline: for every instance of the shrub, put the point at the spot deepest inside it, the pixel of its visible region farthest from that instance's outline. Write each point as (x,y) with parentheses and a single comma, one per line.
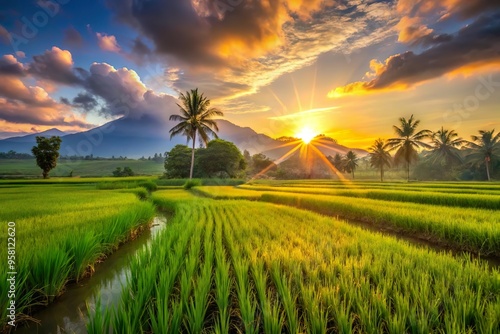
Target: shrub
(148,185)
(192,183)
(119,172)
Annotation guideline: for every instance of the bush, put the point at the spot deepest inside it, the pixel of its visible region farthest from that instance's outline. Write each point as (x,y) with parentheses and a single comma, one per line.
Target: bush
(192,183)
(119,172)
(148,185)
(142,193)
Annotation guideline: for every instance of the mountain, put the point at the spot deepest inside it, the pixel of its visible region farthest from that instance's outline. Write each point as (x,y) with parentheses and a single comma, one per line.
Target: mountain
(146,136)
(23,144)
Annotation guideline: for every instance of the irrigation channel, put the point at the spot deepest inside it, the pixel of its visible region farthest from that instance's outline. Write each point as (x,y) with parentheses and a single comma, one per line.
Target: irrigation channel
(68,314)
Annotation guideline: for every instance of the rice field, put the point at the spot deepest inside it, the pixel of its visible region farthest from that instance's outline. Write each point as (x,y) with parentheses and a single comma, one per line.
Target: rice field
(61,232)
(264,257)
(246,266)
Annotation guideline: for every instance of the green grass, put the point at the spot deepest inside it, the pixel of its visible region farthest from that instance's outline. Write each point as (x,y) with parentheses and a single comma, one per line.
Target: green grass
(289,269)
(61,231)
(83,168)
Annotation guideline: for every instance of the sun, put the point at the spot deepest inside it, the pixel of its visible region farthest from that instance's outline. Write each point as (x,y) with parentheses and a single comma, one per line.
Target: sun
(306,135)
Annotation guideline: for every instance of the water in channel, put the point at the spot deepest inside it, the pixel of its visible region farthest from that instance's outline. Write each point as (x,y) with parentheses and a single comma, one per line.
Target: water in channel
(68,314)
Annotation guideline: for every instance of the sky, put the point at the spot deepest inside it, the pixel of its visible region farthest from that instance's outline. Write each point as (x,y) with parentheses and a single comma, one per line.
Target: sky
(348,69)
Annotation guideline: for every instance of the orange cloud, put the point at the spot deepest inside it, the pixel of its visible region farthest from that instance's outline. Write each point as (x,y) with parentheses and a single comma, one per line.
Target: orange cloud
(411,30)
(108,43)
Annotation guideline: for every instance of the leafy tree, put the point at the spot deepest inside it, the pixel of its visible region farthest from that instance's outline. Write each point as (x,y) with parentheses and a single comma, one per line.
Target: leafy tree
(260,163)
(485,147)
(177,162)
(408,141)
(127,171)
(220,159)
(350,162)
(195,119)
(46,153)
(380,156)
(444,147)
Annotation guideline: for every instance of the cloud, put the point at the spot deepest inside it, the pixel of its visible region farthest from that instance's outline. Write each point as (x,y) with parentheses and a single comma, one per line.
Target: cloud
(463,9)
(32,105)
(124,94)
(476,45)
(10,66)
(108,43)
(72,37)
(56,65)
(4,35)
(85,101)
(412,30)
(209,32)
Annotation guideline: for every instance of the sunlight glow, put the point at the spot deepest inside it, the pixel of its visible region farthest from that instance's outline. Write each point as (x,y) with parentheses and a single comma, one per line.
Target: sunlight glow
(306,134)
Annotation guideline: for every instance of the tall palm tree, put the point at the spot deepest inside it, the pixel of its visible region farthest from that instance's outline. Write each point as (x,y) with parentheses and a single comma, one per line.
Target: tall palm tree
(485,147)
(195,119)
(444,147)
(351,162)
(380,156)
(408,141)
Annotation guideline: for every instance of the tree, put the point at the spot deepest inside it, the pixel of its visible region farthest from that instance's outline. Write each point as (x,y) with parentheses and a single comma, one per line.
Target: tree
(260,163)
(486,146)
(350,162)
(408,141)
(380,156)
(177,162)
(337,162)
(46,153)
(444,147)
(195,119)
(220,159)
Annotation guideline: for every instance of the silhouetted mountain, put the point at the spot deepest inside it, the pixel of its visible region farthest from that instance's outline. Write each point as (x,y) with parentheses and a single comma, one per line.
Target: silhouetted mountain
(23,144)
(146,136)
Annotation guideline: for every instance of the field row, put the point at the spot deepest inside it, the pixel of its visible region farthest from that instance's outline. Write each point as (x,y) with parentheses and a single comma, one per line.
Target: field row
(60,233)
(482,201)
(462,228)
(226,266)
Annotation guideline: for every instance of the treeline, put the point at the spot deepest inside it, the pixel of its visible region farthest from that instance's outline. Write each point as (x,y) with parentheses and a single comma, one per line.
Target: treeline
(14,155)
(220,159)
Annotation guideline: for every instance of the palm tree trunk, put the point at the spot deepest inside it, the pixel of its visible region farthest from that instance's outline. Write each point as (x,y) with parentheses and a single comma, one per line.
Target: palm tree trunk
(487,160)
(382,173)
(408,172)
(192,157)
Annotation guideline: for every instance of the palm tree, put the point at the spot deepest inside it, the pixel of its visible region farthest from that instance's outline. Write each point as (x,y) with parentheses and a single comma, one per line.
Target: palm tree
(444,147)
(351,162)
(380,156)
(486,146)
(408,141)
(195,119)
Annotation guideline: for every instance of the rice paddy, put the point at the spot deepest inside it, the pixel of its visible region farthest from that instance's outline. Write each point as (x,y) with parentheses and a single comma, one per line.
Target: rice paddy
(265,257)
(61,232)
(240,266)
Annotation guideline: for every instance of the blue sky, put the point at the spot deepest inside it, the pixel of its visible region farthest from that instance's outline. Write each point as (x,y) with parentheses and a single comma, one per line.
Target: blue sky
(346,68)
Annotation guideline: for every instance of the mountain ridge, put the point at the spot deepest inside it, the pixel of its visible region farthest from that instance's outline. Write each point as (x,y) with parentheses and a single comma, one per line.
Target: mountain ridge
(148,135)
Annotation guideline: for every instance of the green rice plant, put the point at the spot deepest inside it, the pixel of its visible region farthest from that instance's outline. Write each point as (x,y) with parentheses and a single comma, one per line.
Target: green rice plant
(316,317)
(150,186)
(247,304)
(325,274)
(479,201)
(50,269)
(99,320)
(465,229)
(283,284)
(84,252)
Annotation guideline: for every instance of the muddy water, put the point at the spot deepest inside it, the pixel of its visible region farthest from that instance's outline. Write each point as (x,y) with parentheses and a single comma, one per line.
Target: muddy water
(68,314)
